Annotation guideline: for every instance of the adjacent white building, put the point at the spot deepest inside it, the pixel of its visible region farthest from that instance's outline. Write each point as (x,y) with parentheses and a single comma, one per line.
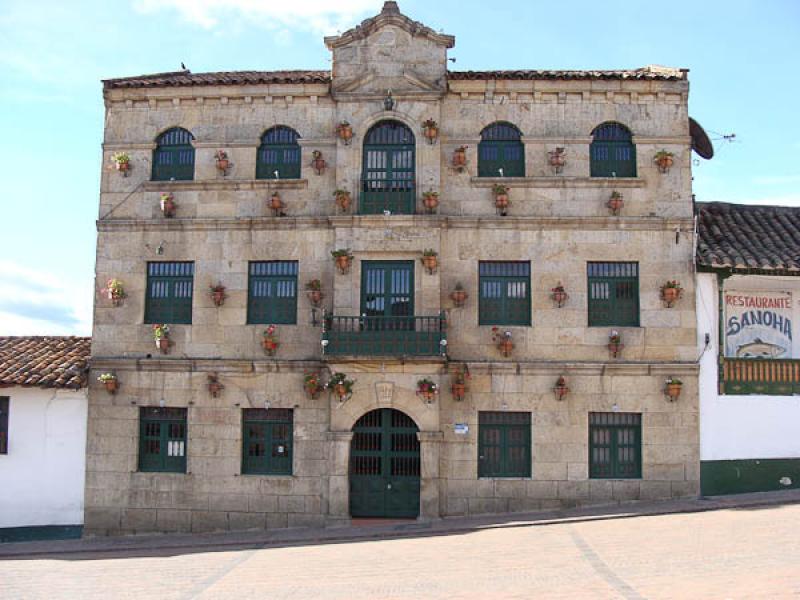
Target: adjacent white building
(43,408)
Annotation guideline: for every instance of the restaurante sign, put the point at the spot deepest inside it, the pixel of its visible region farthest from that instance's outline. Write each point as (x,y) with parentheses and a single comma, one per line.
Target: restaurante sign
(758,324)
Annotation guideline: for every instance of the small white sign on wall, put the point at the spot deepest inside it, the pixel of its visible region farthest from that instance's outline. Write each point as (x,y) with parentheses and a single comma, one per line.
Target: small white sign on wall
(461,429)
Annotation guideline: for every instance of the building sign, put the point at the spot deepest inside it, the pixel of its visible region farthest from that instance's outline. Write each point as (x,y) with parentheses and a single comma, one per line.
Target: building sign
(758,324)
(461,429)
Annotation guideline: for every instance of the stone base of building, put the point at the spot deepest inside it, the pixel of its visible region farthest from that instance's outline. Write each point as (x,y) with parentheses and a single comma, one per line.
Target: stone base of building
(719,477)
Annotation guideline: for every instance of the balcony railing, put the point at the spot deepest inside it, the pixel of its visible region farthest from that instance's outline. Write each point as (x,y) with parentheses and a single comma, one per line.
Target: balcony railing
(398,196)
(779,377)
(384,336)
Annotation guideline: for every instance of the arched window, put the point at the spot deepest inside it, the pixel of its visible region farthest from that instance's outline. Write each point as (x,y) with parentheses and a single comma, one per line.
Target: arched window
(173,157)
(279,154)
(501,152)
(612,153)
(388,170)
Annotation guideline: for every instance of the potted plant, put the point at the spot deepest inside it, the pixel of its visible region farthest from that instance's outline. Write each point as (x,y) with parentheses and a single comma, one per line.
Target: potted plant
(560,389)
(122,162)
(342,257)
(214,385)
(615,344)
(459,386)
(115,291)
(557,158)
(559,295)
(615,202)
(502,340)
(501,201)
(167,203)
(217,293)
(340,385)
(269,340)
(312,385)
(671,292)
(222,161)
(344,132)
(460,157)
(318,162)
(161,337)
(275,204)
(664,160)
(342,199)
(430,200)
(430,130)
(109,380)
(672,388)
(314,292)
(458,295)
(427,390)
(430,259)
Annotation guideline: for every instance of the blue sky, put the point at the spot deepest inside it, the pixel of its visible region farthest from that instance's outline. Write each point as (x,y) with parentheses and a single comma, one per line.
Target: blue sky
(742,55)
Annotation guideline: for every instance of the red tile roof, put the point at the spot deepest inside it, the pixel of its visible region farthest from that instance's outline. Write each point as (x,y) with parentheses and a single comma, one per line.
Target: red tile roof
(44,361)
(646,73)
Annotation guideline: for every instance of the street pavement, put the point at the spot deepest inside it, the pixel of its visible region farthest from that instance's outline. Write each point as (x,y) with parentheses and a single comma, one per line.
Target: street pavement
(748,551)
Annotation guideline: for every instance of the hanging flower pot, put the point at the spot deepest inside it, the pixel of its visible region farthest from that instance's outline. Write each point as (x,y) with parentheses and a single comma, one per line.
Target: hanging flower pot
(559,295)
(459,385)
(557,159)
(317,162)
(615,344)
(672,388)
(501,200)
(343,258)
(664,160)
(341,386)
(430,200)
(115,291)
(502,341)
(223,163)
(312,385)
(275,204)
(314,292)
(167,203)
(460,158)
(109,381)
(342,199)
(269,341)
(122,162)
(214,385)
(427,390)
(615,203)
(560,389)
(161,337)
(430,130)
(458,295)
(344,131)
(430,259)
(217,293)
(671,292)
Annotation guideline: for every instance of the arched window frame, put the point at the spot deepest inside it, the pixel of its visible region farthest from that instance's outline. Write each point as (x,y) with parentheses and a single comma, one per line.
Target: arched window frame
(501,147)
(279,151)
(173,157)
(612,152)
(388,169)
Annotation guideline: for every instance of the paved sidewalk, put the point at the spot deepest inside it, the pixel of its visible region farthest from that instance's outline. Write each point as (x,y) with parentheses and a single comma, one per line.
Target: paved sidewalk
(189,543)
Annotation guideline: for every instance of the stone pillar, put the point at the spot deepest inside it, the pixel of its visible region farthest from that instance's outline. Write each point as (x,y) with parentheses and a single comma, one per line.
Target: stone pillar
(338,483)
(430,487)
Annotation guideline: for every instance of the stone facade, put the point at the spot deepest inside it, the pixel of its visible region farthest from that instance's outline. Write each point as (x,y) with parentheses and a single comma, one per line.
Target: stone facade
(557,222)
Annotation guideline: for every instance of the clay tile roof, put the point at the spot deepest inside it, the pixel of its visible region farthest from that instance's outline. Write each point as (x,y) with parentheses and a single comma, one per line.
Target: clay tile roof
(646,73)
(744,237)
(44,361)
(187,78)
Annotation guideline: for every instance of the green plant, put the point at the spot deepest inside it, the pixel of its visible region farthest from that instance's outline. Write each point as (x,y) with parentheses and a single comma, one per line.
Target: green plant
(216,288)
(430,252)
(499,189)
(431,194)
(663,154)
(430,124)
(311,380)
(672,380)
(342,252)
(121,157)
(341,192)
(615,195)
(160,331)
(269,333)
(106,377)
(314,284)
(461,377)
(672,284)
(427,386)
(614,337)
(114,288)
(221,155)
(340,379)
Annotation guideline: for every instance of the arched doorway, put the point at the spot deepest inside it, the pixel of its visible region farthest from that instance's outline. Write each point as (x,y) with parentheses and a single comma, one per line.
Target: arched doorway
(388,169)
(384,465)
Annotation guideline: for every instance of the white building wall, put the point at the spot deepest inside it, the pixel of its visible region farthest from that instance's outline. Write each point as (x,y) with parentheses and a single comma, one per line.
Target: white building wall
(42,476)
(741,427)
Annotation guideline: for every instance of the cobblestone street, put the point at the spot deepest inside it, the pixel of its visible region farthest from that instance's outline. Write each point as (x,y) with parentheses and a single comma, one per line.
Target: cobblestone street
(749,553)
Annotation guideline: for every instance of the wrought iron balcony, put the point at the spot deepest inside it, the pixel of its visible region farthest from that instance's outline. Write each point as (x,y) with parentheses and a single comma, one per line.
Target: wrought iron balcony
(398,196)
(384,336)
(780,377)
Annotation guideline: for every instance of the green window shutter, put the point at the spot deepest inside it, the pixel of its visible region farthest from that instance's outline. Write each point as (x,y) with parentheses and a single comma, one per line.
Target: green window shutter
(613,294)
(615,445)
(612,153)
(504,444)
(162,439)
(173,158)
(501,152)
(267,438)
(504,293)
(169,293)
(272,293)
(4,402)
(279,154)
(388,170)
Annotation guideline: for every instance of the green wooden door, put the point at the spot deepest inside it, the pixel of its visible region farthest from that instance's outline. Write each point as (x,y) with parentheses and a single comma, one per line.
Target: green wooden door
(388,170)
(384,466)
(387,288)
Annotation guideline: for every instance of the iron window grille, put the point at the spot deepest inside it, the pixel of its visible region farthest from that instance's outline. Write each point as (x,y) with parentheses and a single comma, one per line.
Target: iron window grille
(162,439)
(501,152)
(173,157)
(267,441)
(169,293)
(615,445)
(504,444)
(272,292)
(279,154)
(4,404)
(504,297)
(612,153)
(613,294)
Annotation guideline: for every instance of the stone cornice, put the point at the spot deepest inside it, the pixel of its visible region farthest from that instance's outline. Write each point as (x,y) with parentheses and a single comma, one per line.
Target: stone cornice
(203,365)
(559,181)
(226,184)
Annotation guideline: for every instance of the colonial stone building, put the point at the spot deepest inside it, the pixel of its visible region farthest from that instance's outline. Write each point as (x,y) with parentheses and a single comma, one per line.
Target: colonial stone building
(507,395)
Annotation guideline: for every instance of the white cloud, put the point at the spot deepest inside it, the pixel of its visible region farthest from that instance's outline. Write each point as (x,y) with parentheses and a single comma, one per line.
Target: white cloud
(318,16)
